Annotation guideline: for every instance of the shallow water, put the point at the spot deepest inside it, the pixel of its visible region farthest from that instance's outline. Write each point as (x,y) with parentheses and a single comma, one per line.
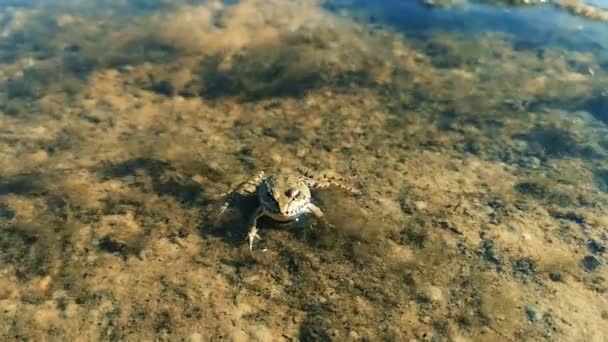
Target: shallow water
(477,134)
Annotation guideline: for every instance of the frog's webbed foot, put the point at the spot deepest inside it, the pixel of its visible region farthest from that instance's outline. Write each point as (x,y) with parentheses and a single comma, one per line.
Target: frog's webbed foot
(253,230)
(252,235)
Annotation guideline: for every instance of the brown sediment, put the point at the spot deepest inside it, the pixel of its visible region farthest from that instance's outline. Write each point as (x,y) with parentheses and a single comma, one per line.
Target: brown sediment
(484,179)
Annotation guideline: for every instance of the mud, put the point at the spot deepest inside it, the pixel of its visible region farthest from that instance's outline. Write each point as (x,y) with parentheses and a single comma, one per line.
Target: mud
(483,168)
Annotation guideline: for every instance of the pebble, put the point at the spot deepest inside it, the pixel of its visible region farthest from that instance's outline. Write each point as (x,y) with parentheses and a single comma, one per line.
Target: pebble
(595,247)
(125,68)
(44,283)
(531,313)
(420,205)
(435,294)
(354,335)
(555,276)
(196,337)
(590,263)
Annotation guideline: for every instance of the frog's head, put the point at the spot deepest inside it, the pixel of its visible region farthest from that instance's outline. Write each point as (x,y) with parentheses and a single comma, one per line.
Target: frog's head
(284,197)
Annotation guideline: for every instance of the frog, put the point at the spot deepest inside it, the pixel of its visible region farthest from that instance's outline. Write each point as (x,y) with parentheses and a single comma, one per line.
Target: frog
(284,197)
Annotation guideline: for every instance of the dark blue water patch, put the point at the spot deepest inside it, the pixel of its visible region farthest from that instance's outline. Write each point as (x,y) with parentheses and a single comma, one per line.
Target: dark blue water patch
(99,8)
(531,26)
(597,105)
(600,177)
(6,212)
(19,3)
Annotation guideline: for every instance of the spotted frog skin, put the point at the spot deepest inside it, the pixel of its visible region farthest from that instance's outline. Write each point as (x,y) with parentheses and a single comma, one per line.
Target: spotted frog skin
(283,197)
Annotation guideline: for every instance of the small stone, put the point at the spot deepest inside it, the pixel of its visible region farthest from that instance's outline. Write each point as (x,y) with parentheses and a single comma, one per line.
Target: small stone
(196,337)
(198,179)
(435,294)
(531,313)
(590,263)
(125,68)
(420,205)
(595,247)
(555,276)
(44,283)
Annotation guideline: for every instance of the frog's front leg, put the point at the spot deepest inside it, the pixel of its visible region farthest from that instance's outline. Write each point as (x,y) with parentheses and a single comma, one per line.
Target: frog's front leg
(249,186)
(253,230)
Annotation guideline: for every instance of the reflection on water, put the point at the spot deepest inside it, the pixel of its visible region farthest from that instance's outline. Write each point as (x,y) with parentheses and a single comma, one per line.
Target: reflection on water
(476,131)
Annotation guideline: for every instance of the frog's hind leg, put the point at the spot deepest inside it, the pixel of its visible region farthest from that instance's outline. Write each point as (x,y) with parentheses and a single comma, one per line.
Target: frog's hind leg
(324,181)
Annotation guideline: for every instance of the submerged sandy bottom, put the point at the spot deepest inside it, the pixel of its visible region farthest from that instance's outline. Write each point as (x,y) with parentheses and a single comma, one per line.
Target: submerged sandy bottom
(483,169)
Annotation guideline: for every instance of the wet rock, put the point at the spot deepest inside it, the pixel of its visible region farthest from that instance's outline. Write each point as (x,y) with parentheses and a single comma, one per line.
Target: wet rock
(125,68)
(584,10)
(593,246)
(590,263)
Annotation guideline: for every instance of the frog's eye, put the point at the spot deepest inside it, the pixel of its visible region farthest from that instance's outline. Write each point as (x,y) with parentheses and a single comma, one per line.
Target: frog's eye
(298,195)
(292,193)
